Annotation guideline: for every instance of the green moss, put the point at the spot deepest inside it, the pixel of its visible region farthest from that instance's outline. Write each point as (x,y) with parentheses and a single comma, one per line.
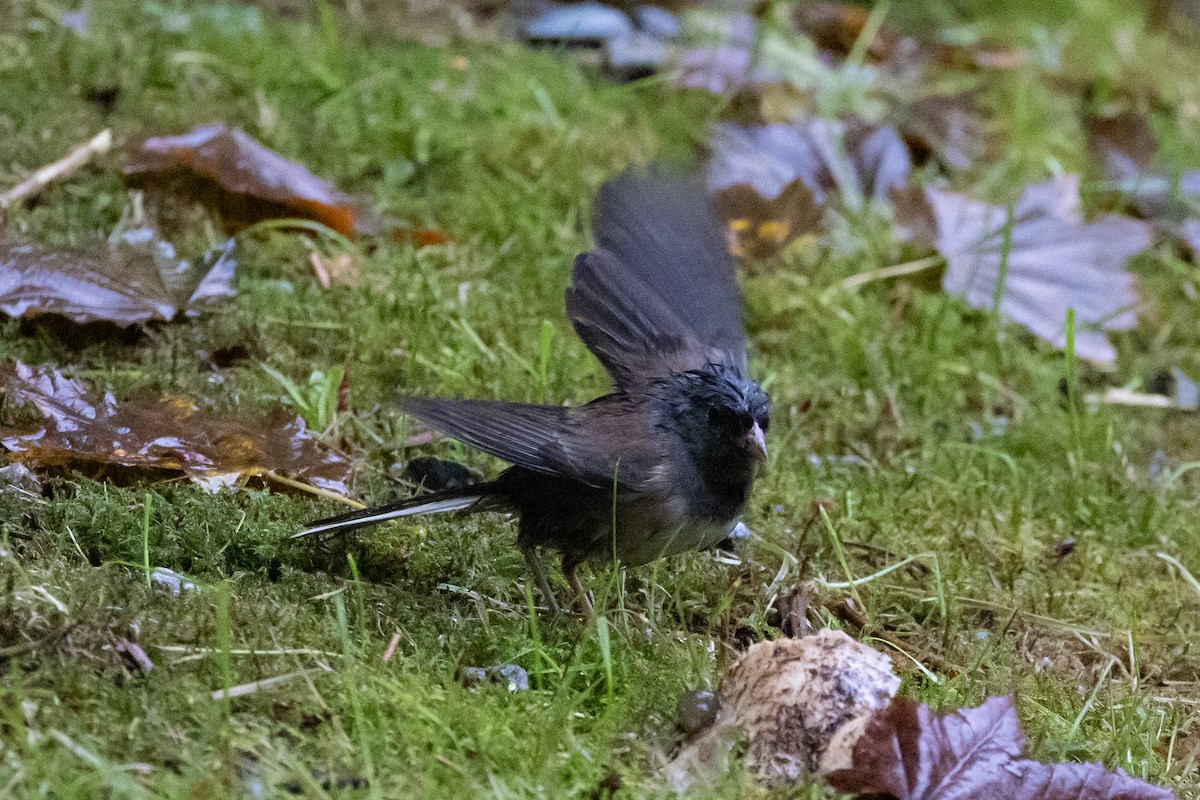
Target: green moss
(503,149)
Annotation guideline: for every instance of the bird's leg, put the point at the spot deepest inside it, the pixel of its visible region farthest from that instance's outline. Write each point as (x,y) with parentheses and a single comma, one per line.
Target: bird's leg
(538,570)
(581,594)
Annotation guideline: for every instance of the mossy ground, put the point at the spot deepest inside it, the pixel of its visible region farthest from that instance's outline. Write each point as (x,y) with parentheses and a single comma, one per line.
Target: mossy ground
(503,148)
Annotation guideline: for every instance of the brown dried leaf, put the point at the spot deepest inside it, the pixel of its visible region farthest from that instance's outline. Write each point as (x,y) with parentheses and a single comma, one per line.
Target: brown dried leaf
(835,28)
(908,752)
(1126,147)
(136,280)
(160,433)
(759,228)
(1052,259)
(244,180)
(1123,143)
(946,127)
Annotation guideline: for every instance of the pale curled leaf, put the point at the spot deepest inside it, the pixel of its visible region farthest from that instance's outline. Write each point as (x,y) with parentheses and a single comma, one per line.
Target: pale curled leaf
(909,752)
(137,279)
(1044,259)
(171,433)
(787,698)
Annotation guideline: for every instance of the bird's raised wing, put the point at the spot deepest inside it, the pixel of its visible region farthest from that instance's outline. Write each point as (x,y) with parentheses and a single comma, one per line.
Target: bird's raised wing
(595,444)
(658,293)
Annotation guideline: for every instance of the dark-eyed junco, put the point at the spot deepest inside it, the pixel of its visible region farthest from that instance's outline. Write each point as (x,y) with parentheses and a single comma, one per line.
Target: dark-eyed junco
(665,462)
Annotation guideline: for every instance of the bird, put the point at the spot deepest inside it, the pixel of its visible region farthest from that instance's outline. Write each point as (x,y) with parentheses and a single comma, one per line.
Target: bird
(663,463)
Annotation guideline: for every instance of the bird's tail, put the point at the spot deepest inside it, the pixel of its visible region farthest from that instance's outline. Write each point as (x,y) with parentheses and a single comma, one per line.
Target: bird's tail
(453,500)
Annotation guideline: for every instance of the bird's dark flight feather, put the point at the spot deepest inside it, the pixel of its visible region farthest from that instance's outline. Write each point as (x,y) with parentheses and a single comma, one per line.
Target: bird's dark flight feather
(552,440)
(658,294)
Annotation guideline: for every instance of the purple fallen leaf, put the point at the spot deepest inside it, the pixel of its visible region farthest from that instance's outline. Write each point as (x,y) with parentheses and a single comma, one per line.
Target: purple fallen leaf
(827,155)
(909,752)
(727,65)
(1055,260)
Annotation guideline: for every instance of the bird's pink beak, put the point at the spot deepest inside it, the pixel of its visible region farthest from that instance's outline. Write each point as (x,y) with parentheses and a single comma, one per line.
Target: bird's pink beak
(756,443)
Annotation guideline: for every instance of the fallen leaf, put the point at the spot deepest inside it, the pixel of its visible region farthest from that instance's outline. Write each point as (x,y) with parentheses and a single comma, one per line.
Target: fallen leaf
(787,698)
(421,237)
(136,280)
(837,27)
(1123,143)
(909,752)
(1052,260)
(170,433)
(772,182)
(730,63)
(245,181)
(828,156)
(1126,148)
(759,228)
(948,128)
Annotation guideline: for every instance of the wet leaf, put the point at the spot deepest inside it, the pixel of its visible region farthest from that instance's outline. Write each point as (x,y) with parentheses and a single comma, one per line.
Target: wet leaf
(909,752)
(136,280)
(171,433)
(1051,259)
(772,182)
(243,180)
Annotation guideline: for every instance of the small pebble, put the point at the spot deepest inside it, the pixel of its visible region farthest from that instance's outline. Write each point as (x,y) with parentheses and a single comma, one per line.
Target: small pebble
(697,710)
(510,675)
(438,475)
(634,54)
(18,479)
(172,580)
(580,23)
(657,22)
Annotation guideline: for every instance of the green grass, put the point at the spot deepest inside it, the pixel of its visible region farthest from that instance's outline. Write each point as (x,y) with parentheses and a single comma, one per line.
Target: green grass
(504,151)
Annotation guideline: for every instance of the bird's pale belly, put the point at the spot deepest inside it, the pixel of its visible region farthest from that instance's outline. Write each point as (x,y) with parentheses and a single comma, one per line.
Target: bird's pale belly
(642,538)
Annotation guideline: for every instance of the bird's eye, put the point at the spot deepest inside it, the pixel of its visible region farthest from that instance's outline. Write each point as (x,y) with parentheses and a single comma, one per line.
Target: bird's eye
(719,415)
(764,422)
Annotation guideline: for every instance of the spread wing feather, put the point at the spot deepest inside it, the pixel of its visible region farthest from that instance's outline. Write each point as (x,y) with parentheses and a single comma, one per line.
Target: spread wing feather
(553,440)
(658,294)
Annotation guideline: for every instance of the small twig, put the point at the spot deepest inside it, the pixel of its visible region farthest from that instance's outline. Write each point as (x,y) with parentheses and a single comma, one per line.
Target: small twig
(391,648)
(894,271)
(249,688)
(97,145)
(308,487)
(1125,397)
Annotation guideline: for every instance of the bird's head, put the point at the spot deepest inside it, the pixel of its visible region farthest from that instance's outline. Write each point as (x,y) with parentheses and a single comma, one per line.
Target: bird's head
(722,418)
